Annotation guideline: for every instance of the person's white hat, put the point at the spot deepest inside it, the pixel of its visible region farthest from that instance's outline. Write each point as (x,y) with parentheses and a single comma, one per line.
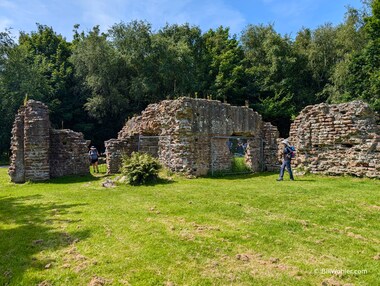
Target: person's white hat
(285,141)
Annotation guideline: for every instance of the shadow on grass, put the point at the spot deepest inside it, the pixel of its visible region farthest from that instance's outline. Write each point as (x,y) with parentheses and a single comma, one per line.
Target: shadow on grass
(29,228)
(240,176)
(259,175)
(304,180)
(157,182)
(74,179)
(161,181)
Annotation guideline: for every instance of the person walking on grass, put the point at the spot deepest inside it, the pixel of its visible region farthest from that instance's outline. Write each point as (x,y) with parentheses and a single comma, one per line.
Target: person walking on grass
(94,157)
(286,161)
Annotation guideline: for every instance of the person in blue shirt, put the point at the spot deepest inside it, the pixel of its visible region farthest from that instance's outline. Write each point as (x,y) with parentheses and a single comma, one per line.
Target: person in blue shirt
(286,161)
(94,158)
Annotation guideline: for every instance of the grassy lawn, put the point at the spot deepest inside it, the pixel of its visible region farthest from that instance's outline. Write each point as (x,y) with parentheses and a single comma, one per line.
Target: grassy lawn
(242,230)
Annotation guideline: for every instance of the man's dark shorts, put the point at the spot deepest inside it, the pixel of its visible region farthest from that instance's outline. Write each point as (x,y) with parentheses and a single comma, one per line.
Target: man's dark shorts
(93,161)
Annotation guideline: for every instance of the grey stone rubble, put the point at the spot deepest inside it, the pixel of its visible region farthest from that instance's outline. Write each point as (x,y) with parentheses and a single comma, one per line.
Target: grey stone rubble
(190,136)
(40,152)
(337,139)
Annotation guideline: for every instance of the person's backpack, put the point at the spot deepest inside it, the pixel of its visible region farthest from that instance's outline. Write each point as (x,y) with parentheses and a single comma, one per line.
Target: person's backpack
(292,153)
(93,154)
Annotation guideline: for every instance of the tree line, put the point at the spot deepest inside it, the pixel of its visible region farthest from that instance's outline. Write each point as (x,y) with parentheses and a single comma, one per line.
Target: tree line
(94,83)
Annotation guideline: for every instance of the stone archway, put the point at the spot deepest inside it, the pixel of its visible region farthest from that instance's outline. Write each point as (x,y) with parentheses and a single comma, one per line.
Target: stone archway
(189,126)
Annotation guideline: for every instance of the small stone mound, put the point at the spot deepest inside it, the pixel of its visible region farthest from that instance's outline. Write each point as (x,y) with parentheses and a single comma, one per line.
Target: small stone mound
(108,184)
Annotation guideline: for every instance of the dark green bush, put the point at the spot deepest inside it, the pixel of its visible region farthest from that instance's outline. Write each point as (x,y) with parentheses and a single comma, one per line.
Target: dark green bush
(140,168)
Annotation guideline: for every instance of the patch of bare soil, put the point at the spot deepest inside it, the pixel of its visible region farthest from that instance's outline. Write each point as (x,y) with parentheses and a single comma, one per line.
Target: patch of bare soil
(76,261)
(45,283)
(229,268)
(99,281)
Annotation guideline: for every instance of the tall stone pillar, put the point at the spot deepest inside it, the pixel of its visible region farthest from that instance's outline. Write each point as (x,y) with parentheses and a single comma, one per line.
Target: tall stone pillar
(254,154)
(36,141)
(17,170)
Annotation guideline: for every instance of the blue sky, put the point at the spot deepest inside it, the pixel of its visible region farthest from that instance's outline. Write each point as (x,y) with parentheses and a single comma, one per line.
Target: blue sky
(288,16)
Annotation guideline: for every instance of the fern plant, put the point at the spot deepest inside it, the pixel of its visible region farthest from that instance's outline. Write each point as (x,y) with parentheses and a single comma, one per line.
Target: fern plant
(140,168)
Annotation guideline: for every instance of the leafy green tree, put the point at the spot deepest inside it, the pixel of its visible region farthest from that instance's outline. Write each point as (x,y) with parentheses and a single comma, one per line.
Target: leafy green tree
(38,67)
(48,53)
(102,72)
(21,75)
(7,44)
(103,85)
(276,75)
(363,81)
(350,39)
(322,56)
(224,71)
(177,50)
(133,45)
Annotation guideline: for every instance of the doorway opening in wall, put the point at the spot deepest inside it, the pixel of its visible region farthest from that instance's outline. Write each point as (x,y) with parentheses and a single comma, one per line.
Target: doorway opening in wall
(229,155)
(158,146)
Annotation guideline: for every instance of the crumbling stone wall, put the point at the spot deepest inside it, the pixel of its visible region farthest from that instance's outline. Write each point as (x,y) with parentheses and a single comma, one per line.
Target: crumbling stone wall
(337,139)
(193,135)
(270,137)
(68,153)
(115,149)
(30,144)
(40,152)
(17,168)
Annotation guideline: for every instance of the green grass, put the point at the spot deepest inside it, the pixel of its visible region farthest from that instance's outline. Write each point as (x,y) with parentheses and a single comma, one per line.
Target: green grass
(241,230)
(238,167)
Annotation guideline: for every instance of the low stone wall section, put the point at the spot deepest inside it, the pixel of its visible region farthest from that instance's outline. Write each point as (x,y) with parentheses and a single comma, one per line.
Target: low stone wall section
(116,148)
(68,153)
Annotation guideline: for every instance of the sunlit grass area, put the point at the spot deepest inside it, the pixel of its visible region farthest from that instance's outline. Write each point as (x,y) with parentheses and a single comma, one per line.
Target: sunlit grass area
(239,230)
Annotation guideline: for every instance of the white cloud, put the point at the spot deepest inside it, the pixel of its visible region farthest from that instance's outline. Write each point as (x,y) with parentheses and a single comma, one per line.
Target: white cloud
(7,4)
(5,23)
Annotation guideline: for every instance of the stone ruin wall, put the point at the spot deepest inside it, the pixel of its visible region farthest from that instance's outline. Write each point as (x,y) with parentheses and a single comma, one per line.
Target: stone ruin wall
(192,136)
(115,149)
(270,136)
(68,153)
(337,139)
(40,152)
